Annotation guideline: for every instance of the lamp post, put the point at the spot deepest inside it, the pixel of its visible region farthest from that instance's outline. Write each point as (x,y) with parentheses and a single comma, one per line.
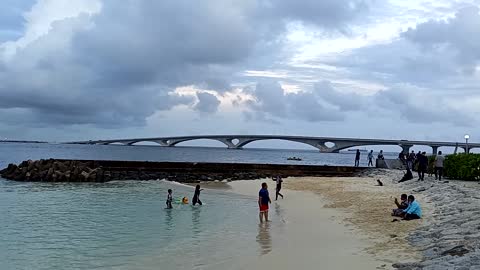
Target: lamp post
(466,143)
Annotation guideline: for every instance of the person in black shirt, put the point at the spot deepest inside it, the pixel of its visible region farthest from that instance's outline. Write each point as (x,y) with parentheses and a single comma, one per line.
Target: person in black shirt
(357,158)
(196,196)
(422,165)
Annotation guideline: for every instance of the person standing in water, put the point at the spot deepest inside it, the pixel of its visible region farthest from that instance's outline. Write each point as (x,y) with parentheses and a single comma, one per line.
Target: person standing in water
(196,196)
(263,201)
(169,199)
(278,180)
(357,158)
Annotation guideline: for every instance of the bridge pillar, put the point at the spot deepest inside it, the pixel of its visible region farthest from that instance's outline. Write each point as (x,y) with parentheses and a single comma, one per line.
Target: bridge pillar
(406,148)
(434,150)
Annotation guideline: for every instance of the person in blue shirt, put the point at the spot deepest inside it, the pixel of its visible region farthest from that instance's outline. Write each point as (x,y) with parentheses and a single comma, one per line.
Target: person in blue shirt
(413,210)
(263,201)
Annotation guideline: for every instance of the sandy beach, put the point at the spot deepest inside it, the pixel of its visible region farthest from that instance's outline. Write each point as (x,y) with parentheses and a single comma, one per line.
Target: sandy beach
(345,222)
(341,222)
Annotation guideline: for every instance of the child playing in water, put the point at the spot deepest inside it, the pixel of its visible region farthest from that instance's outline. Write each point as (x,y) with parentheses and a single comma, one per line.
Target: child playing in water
(196,196)
(169,199)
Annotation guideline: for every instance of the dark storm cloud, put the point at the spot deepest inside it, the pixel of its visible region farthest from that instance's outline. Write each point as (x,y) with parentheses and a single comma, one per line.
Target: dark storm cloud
(271,102)
(122,65)
(207,103)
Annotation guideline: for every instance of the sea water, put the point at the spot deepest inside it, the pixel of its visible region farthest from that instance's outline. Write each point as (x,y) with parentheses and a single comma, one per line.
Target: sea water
(124,224)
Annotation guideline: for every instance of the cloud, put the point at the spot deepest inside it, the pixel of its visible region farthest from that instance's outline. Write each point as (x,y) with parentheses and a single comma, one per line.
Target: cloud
(459,34)
(271,103)
(207,103)
(97,62)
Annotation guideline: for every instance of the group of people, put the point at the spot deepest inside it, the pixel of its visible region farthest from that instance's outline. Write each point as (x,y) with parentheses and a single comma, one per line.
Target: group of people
(195,199)
(369,157)
(263,197)
(420,163)
(408,208)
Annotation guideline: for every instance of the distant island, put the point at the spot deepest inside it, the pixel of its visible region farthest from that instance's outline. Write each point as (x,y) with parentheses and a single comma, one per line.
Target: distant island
(19,141)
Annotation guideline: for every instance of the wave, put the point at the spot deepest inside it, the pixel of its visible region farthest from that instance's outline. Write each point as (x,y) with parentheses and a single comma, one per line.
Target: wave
(176,183)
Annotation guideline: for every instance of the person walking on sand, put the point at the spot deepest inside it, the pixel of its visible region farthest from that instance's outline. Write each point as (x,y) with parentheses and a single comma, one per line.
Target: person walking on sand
(278,180)
(263,201)
(196,196)
(370,158)
(439,159)
(169,199)
(357,158)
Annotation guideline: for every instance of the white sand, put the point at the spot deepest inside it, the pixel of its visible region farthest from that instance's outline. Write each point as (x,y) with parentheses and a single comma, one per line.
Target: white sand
(311,236)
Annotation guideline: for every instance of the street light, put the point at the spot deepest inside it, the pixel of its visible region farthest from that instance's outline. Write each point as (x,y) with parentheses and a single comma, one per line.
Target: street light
(466,143)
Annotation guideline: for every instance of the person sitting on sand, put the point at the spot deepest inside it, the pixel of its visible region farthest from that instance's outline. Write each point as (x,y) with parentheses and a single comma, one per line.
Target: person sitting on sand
(196,196)
(402,205)
(263,201)
(413,210)
(169,199)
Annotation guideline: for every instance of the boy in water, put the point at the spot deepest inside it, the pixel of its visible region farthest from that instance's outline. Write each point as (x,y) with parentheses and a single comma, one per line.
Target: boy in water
(196,196)
(263,201)
(169,199)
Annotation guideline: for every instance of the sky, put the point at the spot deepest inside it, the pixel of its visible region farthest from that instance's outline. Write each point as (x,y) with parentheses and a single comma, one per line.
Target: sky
(97,69)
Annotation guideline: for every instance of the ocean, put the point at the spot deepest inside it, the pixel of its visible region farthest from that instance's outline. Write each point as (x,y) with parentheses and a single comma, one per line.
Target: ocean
(124,224)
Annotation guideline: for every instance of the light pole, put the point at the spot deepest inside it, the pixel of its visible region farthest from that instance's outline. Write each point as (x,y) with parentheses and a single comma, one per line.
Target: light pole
(466,143)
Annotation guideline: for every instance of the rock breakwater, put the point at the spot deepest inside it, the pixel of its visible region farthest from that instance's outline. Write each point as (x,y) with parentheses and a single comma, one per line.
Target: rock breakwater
(58,170)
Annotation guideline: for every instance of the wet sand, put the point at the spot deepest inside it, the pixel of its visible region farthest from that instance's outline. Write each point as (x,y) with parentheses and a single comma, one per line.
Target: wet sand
(315,233)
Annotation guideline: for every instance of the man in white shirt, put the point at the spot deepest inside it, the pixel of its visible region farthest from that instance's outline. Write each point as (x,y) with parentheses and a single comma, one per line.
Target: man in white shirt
(439,159)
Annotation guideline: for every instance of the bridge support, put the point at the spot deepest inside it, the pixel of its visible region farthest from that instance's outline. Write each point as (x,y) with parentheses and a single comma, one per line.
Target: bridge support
(406,148)
(434,150)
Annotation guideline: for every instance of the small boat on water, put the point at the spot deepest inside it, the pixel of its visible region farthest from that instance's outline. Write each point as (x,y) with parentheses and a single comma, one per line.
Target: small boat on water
(355,150)
(294,158)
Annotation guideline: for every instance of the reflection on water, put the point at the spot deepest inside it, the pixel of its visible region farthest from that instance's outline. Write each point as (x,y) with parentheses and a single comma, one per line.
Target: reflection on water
(196,224)
(264,239)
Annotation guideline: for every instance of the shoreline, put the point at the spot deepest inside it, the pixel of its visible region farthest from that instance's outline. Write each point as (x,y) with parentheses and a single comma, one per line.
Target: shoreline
(303,234)
(446,237)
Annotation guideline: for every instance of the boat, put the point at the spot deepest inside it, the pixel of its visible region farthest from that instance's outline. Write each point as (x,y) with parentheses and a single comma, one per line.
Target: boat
(294,158)
(355,150)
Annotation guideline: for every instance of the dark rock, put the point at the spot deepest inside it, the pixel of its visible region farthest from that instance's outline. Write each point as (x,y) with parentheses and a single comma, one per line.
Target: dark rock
(407,266)
(459,250)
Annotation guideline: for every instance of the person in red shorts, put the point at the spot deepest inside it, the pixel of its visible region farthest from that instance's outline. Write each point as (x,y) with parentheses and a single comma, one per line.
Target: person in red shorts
(263,201)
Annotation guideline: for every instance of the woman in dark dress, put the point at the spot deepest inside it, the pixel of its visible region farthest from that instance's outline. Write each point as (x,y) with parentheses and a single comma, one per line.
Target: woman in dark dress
(196,196)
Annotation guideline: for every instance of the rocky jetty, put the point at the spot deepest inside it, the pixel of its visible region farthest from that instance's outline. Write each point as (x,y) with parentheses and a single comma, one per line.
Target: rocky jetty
(52,170)
(451,237)
(58,170)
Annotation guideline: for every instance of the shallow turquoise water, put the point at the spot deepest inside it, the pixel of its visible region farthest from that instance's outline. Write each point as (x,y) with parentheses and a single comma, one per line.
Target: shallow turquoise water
(123,225)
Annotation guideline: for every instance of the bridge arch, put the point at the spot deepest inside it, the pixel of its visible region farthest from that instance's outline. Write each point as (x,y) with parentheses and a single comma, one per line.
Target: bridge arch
(210,142)
(276,144)
(145,143)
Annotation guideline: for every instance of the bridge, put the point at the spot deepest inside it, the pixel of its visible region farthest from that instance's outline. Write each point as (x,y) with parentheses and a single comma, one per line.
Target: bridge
(324,144)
